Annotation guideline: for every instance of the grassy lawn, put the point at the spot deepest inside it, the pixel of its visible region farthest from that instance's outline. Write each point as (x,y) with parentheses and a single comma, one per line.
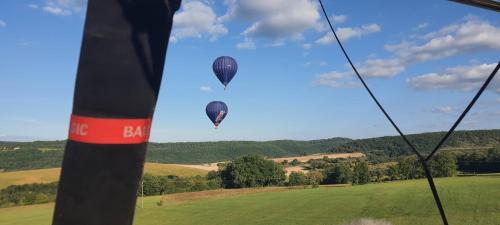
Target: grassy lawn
(52,174)
(467,201)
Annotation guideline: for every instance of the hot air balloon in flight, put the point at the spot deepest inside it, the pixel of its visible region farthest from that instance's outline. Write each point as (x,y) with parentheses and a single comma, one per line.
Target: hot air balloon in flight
(225,68)
(216,111)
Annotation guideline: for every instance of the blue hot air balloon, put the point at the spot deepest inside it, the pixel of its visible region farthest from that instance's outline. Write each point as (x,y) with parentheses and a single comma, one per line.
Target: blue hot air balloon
(225,68)
(216,111)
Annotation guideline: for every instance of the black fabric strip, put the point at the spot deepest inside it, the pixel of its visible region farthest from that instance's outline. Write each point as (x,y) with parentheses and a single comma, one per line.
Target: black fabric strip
(119,75)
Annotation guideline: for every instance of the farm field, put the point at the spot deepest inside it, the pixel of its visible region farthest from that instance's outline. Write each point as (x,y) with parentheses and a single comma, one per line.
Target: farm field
(467,200)
(213,166)
(52,174)
(320,156)
(159,169)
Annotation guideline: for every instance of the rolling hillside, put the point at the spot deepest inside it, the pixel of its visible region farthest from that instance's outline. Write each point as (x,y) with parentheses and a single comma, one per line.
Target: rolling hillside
(467,200)
(52,174)
(48,154)
(383,148)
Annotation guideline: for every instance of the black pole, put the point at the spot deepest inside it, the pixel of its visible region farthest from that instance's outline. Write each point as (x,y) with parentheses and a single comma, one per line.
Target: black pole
(118,79)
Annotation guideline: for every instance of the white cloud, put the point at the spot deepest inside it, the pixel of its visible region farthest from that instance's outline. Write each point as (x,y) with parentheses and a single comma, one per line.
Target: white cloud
(371,68)
(306,46)
(57,10)
(205,88)
(471,35)
(3,23)
(336,79)
(314,63)
(338,18)
(464,78)
(443,109)
(61,7)
(74,5)
(196,20)
(231,11)
(277,43)
(278,20)
(420,26)
(381,67)
(246,44)
(346,33)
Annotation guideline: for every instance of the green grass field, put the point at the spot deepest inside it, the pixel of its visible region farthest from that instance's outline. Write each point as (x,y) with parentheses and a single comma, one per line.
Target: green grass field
(52,174)
(467,201)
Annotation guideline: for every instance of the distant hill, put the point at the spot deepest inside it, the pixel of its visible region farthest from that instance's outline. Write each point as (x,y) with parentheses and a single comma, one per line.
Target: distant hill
(203,152)
(48,154)
(383,148)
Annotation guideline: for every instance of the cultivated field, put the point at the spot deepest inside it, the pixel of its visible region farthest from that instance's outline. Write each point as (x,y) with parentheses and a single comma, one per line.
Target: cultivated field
(183,170)
(213,166)
(29,177)
(51,175)
(320,156)
(172,169)
(467,201)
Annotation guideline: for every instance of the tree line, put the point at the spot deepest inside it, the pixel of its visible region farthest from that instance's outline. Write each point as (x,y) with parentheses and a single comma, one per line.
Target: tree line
(390,148)
(47,154)
(160,185)
(28,194)
(480,161)
(257,171)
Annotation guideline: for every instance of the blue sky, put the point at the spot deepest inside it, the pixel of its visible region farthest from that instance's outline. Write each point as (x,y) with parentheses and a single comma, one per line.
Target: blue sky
(423,59)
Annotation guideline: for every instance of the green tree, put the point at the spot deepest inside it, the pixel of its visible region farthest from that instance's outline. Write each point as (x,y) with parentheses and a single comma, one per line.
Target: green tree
(41,198)
(152,185)
(338,173)
(297,178)
(214,180)
(393,172)
(199,184)
(27,194)
(443,164)
(314,178)
(252,171)
(377,174)
(361,173)
(410,168)
(317,164)
(183,184)
(493,160)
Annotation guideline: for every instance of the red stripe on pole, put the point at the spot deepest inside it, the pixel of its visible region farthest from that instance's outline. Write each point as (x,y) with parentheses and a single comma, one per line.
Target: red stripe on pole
(109,130)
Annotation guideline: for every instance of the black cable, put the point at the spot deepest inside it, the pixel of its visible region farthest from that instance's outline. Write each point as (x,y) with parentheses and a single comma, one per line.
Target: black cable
(422,159)
(368,89)
(443,140)
(428,174)
(478,94)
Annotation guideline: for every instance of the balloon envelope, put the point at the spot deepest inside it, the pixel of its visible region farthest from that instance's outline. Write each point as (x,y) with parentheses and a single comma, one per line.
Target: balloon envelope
(216,111)
(225,68)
